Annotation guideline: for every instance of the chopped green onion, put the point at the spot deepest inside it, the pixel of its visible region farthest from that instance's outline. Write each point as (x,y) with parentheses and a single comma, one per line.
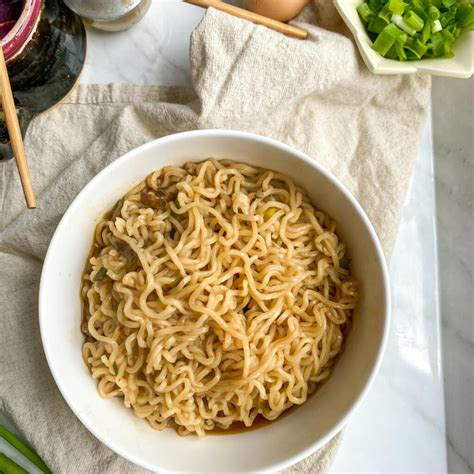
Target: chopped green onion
(364,12)
(7,466)
(455,31)
(400,51)
(419,8)
(465,15)
(416,47)
(448,37)
(397,6)
(377,24)
(448,3)
(100,275)
(414,21)
(448,53)
(445,21)
(436,27)
(437,39)
(398,20)
(433,12)
(270,212)
(374,5)
(386,39)
(24,449)
(385,15)
(392,52)
(402,39)
(426,32)
(428,28)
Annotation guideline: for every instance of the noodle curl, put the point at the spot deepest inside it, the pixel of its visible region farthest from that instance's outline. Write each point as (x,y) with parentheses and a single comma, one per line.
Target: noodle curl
(215,293)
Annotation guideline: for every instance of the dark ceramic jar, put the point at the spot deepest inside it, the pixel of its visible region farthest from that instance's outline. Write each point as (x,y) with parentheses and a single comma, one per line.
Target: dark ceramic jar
(44,44)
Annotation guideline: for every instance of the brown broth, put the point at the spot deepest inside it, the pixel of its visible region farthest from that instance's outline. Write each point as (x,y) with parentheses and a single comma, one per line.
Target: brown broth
(259,422)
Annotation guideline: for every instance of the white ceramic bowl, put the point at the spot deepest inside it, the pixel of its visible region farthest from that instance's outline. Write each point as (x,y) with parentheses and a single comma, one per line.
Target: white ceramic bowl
(461,65)
(276,445)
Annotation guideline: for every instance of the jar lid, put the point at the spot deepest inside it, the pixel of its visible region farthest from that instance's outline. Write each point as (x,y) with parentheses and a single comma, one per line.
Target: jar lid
(102,10)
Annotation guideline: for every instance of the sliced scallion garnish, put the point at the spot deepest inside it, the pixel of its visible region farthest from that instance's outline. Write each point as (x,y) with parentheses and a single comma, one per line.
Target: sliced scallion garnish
(433,26)
(100,275)
(270,212)
(414,21)
(24,449)
(7,466)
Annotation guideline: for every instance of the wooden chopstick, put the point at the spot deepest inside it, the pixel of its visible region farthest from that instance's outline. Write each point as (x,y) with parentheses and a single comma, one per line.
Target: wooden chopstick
(253,17)
(13,127)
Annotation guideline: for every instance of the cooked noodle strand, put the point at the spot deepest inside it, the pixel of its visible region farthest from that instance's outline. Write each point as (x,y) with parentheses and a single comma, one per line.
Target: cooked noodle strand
(215,293)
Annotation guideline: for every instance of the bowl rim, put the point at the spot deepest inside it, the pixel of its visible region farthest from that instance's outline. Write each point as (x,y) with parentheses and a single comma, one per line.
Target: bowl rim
(212,133)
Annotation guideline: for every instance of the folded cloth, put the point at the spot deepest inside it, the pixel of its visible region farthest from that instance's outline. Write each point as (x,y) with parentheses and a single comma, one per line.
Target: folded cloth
(315,95)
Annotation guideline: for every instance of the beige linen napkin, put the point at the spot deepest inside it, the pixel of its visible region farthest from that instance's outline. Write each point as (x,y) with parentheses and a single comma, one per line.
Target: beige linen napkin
(315,95)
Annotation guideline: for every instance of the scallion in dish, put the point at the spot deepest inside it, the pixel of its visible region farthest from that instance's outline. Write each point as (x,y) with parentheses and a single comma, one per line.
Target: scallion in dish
(408,30)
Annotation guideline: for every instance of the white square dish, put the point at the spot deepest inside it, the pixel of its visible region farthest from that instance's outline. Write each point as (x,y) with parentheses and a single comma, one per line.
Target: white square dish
(460,66)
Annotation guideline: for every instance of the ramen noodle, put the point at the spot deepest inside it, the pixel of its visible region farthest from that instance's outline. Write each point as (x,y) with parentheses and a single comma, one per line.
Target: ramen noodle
(214,293)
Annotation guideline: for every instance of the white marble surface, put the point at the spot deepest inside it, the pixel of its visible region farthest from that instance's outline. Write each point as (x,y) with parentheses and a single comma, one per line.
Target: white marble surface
(453,119)
(400,426)
(153,52)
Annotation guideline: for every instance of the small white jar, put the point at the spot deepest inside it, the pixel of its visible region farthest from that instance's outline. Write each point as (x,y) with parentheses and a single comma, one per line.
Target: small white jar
(110,15)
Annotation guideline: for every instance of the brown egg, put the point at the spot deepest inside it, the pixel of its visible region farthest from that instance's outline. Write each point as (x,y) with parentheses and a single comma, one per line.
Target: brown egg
(281,10)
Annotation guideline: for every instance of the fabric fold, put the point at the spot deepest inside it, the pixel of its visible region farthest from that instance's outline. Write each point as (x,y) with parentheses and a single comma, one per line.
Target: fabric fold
(315,95)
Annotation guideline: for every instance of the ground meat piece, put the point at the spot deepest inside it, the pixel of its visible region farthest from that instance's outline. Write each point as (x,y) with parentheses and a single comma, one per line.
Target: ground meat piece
(151,199)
